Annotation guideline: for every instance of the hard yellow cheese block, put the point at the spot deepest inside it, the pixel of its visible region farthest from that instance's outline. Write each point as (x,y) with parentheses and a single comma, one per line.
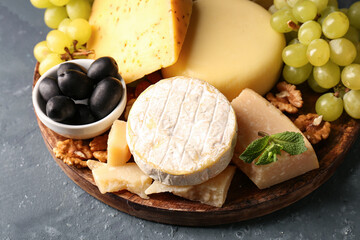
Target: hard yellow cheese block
(118,149)
(112,179)
(231,45)
(212,192)
(254,114)
(141,35)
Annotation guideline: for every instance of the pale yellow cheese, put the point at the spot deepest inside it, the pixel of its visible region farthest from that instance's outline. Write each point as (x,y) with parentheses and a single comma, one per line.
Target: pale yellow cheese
(231,45)
(181,131)
(112,179)
(212,192)
(118,152)
(254,114)
(141,35)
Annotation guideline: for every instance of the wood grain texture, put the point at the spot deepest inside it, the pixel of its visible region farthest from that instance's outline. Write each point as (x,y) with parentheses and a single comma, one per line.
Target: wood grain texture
(244,201)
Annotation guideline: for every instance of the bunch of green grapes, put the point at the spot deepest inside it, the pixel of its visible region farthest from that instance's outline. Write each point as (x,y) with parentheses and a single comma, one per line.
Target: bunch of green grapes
(323,48)
(68,20)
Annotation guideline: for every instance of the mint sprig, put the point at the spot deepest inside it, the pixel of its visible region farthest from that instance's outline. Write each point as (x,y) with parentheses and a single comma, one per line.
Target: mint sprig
(268,147)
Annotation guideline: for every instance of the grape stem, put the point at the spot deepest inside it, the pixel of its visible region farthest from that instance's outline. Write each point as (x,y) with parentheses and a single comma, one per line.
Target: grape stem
(77,52)
(293,25)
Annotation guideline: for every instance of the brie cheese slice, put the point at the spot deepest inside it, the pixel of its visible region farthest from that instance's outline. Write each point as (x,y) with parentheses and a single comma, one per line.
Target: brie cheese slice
(182,131)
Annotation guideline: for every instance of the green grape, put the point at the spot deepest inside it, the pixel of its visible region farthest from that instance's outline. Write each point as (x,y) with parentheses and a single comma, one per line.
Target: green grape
(318,52)
(329,106)
(272,9)
(79,29)
(292,3)
(335,25)
(350,76)
(294,41)
(354,14)
(314,85)
(48,62)
(325,13)
(328,75)
(279,4)
(320,4)
(342,51)
(59,2)
(296,75)
(78,9)
(309,31)
(57,41)
(54,15)
(333,3)
(353,35)
(41,50)
(304,11)
(352,103)
(41,3)
(64,24)
(295,55)
(279,20)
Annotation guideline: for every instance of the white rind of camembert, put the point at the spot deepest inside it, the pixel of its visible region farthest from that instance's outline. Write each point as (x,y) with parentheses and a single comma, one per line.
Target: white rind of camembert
(182,131)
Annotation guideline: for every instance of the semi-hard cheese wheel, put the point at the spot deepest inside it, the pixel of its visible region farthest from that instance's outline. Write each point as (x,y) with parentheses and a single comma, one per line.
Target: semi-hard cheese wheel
(142,36)
(181,131)
(254,113)
(231,45)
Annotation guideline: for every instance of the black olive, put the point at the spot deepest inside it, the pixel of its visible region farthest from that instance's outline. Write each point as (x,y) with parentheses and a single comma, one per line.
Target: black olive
(75,84)
(60,108)
(103,67)
(105,97)
(70,65)
(82,115)
(49,88)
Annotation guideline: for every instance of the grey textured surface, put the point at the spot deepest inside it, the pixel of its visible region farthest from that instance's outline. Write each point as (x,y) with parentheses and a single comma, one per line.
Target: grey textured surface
(38,201)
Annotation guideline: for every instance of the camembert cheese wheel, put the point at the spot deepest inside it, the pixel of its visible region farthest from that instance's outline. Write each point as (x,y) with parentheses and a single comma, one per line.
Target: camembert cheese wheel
(182,131)
(231,45)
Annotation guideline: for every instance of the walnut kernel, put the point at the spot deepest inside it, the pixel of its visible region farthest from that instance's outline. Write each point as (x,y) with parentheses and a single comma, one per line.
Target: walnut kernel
(288,99)
(313,127)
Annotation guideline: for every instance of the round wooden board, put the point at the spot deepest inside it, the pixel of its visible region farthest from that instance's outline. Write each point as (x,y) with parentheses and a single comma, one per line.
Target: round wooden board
(244,200)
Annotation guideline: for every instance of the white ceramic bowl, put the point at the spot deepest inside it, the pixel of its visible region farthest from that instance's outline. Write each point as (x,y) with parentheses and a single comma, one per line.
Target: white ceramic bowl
(76,131)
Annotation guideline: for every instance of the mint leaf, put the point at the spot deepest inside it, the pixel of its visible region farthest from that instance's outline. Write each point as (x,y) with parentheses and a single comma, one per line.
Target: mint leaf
(254,149)
(291,142)
(268,147)
(270,154)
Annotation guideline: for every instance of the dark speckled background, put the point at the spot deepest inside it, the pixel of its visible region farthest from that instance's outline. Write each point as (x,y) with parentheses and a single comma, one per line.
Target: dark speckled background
(38,201)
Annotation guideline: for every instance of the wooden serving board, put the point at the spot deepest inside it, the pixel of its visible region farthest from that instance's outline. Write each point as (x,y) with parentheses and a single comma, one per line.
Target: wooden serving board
(244,201)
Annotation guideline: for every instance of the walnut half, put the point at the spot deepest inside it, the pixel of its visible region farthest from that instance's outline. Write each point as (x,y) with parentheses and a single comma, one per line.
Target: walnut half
(288,99)
(313,127)
(73,152)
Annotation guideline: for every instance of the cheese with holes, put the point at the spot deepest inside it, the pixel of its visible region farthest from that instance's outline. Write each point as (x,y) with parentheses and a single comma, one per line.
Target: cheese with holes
(231,45)
(141,35)
(212,192)
(118,152)
(113,179)
(254,113)
(181,131)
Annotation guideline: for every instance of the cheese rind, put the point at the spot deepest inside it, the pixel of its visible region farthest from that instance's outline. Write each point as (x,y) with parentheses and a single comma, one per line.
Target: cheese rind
(231,45)
(254,114)
(142,36)
(212,192)
(118,152)
(126,177)
(181,131)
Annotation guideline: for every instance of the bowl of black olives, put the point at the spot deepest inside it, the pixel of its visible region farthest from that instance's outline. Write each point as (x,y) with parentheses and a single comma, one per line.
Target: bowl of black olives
(80,98)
